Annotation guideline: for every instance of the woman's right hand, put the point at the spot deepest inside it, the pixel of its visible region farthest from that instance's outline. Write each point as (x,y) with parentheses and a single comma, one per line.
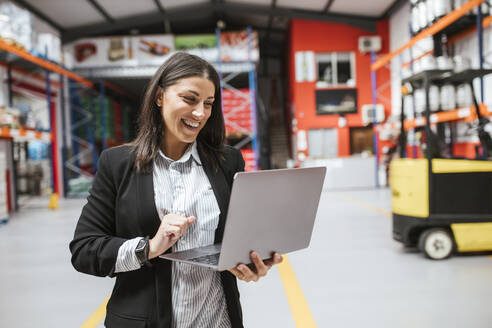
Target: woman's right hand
(172,227)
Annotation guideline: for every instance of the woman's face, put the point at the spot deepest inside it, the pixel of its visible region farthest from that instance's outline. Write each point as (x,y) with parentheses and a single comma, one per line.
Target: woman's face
(185,108)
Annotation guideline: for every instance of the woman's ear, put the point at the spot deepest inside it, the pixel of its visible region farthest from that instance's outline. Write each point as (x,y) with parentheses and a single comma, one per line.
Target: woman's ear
(158,98)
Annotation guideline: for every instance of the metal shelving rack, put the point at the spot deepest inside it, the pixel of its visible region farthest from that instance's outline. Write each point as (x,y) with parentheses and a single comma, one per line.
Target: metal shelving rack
(455,25)
(233,70)
(25,62)
(82,117)
(28,64)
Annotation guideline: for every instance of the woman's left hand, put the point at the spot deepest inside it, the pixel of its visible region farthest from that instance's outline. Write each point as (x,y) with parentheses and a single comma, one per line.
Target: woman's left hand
(244,273)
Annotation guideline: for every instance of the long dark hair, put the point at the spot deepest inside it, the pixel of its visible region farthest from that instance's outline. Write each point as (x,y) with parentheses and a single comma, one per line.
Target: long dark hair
(150,135)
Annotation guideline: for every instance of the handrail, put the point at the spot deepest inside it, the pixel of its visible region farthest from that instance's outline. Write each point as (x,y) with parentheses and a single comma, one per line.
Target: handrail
(431,30)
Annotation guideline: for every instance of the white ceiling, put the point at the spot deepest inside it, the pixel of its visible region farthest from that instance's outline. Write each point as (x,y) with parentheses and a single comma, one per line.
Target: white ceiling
(304,4)
(74,13)
(68,13)
(363,8)
(254,2)
(124,8)
(167,4)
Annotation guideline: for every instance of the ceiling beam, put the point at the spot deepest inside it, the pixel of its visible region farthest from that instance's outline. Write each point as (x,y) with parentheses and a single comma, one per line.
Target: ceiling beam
(201,10)
(397,4)
(218,14)
(167,23)
(363,22)
(175,14)
(328,6)
(101,10)
(159,6)
(40,15)
(257,28)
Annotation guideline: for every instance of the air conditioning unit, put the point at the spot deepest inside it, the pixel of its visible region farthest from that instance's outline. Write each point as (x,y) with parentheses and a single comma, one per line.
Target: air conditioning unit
(372,113)
(369,43)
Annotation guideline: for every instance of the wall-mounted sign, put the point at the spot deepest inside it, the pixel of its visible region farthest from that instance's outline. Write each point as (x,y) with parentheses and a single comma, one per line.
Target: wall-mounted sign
(121,51)
(239,47)
(152,50)
(202,45)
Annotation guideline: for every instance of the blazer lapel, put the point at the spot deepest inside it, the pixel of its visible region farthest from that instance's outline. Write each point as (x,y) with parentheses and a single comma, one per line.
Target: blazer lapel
(149,223)
(147,213)
(221,191)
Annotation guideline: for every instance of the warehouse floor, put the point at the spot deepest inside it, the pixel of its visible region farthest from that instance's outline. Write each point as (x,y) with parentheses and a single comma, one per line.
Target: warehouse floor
(352,275)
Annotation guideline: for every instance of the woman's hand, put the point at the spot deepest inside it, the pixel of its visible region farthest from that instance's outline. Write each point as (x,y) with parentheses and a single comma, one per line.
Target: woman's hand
(172,227)
(243,272)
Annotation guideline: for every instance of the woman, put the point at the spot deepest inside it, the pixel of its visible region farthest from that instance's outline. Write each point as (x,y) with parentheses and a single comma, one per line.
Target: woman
(166,191)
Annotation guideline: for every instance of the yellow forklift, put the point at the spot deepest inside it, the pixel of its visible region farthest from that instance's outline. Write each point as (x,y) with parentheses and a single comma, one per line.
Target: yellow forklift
(443,205)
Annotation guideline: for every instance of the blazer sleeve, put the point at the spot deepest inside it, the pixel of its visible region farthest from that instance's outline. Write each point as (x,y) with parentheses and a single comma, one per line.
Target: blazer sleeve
(95,247)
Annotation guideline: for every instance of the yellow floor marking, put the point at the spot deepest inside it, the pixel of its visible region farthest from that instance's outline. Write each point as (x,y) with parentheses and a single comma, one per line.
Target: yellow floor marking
(98,315)
(303,317)
(366,205)
(297,302)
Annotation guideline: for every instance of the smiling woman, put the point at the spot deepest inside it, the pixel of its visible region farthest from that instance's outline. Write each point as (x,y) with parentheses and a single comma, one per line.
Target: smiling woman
(179,88)
(173,182)
(185,107)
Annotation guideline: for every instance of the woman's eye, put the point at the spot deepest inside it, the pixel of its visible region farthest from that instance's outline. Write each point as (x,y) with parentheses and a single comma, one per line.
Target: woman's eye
(209,104)
(190,99)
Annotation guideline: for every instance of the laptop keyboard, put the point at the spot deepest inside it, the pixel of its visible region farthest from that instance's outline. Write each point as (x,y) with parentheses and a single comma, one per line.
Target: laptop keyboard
(212,259)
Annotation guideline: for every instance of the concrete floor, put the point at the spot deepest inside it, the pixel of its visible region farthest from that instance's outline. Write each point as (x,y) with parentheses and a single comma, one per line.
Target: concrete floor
(352,275)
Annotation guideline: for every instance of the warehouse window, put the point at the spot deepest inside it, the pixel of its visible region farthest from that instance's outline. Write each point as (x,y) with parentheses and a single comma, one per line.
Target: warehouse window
(336,69)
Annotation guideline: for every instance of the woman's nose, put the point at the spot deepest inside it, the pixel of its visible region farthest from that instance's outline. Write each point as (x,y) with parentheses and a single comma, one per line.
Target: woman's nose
(198,112)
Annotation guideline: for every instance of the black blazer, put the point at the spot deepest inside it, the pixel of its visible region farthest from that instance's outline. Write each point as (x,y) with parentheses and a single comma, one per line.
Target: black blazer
(120,207)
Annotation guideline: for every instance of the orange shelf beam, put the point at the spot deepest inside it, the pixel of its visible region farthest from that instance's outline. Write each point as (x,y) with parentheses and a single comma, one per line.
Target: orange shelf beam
(419,57)
(438,26)
(43,63)
(28,134)
(465,114)
(485,23)
(52,67)
(38,77)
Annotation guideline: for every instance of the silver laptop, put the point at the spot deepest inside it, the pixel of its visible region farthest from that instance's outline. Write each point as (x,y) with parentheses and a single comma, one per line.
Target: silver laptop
(269,211)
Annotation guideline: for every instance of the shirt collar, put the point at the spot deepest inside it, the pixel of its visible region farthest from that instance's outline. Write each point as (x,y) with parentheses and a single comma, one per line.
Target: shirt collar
(192,151)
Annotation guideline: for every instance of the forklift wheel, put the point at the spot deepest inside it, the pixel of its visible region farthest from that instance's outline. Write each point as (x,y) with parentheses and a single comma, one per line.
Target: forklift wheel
(436,243)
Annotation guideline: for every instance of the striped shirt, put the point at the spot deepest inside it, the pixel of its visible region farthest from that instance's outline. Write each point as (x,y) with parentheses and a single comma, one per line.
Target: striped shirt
(182,187)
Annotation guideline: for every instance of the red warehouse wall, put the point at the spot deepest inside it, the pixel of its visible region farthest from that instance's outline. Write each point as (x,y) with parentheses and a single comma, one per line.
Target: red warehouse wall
(322,37)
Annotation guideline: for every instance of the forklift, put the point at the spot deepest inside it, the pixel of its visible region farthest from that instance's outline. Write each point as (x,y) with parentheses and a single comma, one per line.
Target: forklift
(443,205)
